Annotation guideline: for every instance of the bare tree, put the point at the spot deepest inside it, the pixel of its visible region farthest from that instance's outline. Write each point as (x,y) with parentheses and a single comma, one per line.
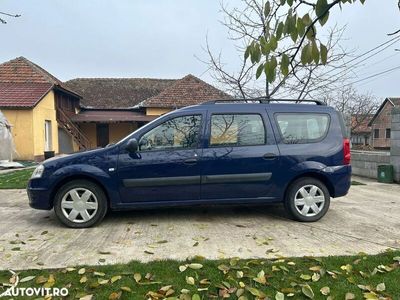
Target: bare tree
(356,107)
(249,24)
(3,21)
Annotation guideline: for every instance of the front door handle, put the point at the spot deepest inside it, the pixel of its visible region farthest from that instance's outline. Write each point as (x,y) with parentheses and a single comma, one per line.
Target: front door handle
(190,161)
(269,156)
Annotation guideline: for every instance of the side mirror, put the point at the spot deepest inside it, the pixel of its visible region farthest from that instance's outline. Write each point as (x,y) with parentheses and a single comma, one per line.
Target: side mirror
(132,145)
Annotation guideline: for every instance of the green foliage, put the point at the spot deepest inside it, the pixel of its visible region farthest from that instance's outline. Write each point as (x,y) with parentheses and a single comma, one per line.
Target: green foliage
(335,277)
(299,31)
(15,179)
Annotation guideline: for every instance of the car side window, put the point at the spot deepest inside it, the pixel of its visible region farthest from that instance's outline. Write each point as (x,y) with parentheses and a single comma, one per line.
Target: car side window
(177,133)
(301,128)
(237,130)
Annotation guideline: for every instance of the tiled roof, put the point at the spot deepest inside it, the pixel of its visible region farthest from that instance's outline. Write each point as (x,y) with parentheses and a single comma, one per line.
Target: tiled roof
(360,122)
(23,95)
(393,100)
(114,93)
(23,83)
(189,90)
(110,116)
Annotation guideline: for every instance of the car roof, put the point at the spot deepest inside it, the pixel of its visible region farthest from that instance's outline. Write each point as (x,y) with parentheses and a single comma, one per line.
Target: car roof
(241,106)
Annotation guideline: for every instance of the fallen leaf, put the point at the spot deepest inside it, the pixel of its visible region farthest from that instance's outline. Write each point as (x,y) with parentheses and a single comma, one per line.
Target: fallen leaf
(256,292)
(305,277)
(279,296)
(190,280)
(137,277)
(115,278)
(115,296)
(381,287)
(148,252)
(86,297)
(41,279)
(196,297)
(44,232)
(195,266)
(27,278)
(325,290)
(349,296)
(82,271)
(307,291)
(83,279)
(101,274)
(126,289)
(315,277)
(182,268)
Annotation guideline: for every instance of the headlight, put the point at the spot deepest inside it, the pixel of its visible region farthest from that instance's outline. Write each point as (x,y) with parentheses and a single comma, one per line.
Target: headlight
(38,172)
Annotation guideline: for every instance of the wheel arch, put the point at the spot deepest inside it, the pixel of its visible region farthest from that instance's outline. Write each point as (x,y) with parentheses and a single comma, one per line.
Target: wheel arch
(70,178)
(312,174)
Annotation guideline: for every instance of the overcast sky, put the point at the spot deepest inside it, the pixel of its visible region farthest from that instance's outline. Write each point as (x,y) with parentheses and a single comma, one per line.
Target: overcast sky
(161,39)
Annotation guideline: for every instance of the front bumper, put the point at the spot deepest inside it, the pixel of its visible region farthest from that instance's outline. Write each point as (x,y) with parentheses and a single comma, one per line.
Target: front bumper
(39,197)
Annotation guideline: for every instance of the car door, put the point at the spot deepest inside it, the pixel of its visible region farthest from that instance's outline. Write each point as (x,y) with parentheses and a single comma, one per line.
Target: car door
(166,166)
(240,157)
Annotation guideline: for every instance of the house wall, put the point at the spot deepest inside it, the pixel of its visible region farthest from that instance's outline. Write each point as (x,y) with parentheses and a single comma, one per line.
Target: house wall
(365,163)
(382,122)
(44,110)
(89,129)
(155,111)
(118,131)
(21,121)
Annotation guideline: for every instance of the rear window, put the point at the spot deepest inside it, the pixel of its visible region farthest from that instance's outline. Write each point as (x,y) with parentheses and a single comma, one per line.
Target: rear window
(237,130)
(302,128)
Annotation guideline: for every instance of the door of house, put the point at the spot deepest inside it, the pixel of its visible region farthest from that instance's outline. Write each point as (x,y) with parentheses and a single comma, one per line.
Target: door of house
(48,143)
(103,136)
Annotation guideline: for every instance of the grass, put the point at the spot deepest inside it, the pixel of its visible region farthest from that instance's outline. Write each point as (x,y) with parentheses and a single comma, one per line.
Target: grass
(359,276)
(15,179)
(353,182)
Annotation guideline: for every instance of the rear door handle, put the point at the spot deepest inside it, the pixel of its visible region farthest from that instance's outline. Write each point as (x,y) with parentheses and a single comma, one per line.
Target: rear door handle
(190,161)
(269,156)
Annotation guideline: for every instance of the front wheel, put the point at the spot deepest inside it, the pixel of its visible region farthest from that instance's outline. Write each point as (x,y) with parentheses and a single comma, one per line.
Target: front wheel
(307,200)
(80,204)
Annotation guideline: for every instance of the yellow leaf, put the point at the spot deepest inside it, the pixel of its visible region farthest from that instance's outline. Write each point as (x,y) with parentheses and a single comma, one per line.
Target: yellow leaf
(126,289)
(189,280)
(137,277)
(115,278)
(83,279)
(115,296)
(82,271)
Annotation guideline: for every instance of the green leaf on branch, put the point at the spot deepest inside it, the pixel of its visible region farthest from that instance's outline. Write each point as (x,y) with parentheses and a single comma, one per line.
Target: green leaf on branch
(279,30)
(259,71)
(305,54)
(321,7)
(267,9)
(315,52)
(285,64)
(324,54)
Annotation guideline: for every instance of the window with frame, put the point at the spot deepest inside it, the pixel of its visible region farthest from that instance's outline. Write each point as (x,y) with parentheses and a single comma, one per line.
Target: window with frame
(177,133)
(237,130)
(376,133)
(388,133)
(301,128)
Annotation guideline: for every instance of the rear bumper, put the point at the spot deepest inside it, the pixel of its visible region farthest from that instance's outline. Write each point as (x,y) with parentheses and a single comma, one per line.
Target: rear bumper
(39,198)
(340,178)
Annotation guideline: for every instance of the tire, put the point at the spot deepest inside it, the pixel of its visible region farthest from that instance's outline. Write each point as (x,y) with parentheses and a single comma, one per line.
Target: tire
(80,204)
(302,191)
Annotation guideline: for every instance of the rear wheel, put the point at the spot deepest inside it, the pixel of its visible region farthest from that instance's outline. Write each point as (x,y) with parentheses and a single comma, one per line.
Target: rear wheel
(80,204)
(307,199)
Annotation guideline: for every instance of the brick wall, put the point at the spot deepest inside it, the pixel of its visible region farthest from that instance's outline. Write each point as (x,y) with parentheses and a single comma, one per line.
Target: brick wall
(365,163)
(381,123)
(395,147)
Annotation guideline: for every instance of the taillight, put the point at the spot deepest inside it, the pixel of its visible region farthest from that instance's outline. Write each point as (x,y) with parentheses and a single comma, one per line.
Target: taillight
(346,152)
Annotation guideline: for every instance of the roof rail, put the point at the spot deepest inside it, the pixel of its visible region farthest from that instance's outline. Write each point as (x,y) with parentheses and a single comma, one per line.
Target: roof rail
(262,100)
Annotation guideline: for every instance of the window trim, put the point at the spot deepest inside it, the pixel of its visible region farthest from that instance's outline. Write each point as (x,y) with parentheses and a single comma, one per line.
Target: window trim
(304,141)
(178,148)
(376,136)
(235,113)
(386,133)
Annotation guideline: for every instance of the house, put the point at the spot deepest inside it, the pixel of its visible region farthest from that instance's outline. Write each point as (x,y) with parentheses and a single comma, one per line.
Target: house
(360,130)
(111,108)
(381,123)
(37,105)
(84,113)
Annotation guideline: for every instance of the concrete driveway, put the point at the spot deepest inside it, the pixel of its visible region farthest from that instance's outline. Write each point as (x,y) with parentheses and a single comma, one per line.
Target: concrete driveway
(366,220)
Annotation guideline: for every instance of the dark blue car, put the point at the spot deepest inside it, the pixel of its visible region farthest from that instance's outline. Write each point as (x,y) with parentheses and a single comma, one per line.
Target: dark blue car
(217,152)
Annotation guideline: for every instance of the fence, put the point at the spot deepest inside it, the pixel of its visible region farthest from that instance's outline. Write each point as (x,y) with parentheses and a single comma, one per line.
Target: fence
(365,163)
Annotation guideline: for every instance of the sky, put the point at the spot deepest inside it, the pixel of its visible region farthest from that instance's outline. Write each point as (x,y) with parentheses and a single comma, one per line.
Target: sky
(166,38)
